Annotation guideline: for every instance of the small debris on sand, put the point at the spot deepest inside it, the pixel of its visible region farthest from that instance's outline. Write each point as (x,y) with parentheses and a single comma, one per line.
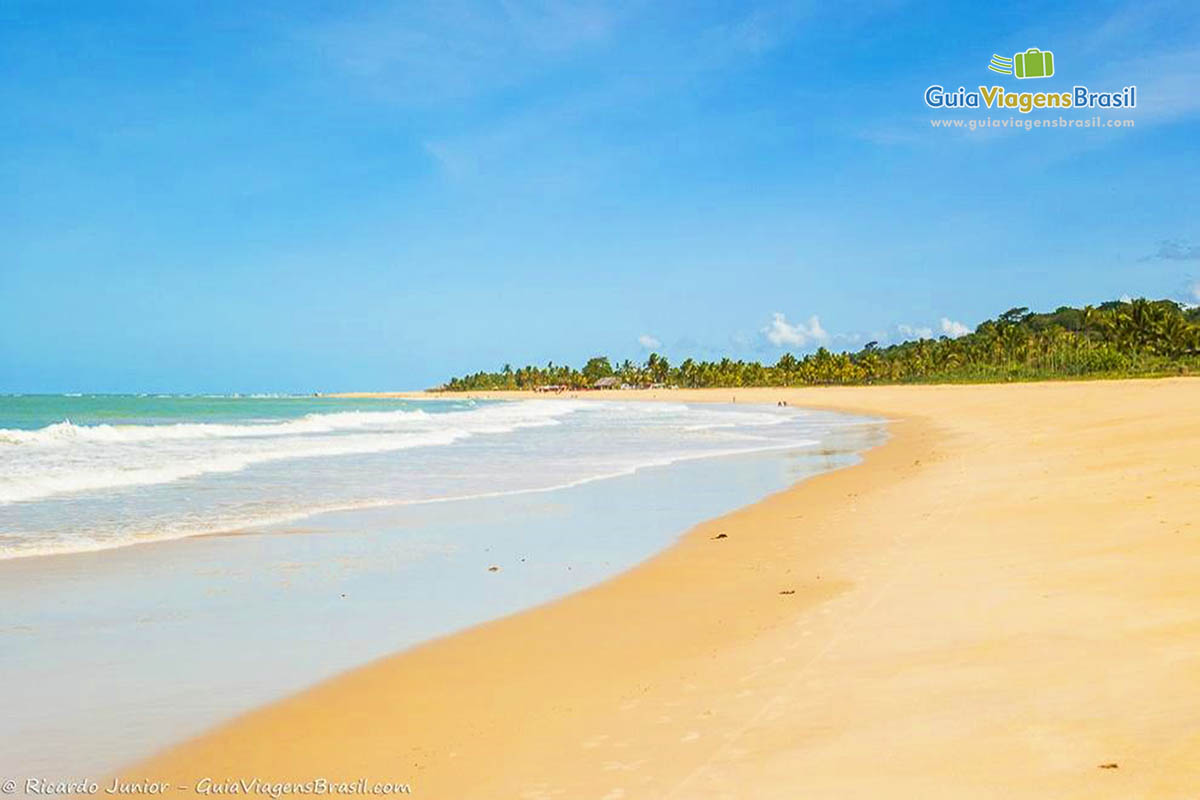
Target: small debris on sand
(721,536)
(1110,765)
(493,568)
(788,591)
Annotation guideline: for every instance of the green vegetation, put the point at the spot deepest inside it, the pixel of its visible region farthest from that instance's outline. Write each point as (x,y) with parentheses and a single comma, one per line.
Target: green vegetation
(1115,339)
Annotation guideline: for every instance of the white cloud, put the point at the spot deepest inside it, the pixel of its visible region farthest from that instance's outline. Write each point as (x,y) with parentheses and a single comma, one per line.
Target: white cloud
(782,333)
(914,332)
(814,325)
(649,342)
(1175,250)
(1196,291)
(954,329)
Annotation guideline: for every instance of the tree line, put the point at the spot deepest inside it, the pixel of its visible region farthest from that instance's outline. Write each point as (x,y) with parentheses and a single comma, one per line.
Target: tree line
(1115,339)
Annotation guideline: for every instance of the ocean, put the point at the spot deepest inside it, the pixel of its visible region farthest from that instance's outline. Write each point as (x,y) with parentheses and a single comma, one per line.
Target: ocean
(169,562)
(93,472)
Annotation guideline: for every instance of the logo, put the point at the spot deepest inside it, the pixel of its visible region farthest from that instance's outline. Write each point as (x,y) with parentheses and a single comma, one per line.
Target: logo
(1033,63)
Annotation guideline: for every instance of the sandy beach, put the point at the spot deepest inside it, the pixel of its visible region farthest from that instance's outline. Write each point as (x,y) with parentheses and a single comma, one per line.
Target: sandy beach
(1002,601)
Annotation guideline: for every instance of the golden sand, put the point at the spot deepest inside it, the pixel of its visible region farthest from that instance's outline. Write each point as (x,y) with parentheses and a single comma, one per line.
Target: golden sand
(1002,601)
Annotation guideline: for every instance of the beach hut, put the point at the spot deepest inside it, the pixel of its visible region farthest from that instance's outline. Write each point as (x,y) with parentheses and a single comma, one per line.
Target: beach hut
(607,383)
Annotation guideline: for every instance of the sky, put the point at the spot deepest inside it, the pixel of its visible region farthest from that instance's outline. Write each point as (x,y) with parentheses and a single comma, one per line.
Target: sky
(299,196)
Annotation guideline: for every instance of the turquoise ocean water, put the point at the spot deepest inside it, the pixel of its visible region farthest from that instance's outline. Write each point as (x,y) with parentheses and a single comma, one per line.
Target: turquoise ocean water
(95,472)
(280,540)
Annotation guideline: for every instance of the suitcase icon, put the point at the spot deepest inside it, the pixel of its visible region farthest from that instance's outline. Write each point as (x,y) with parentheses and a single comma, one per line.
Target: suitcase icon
(1034,63)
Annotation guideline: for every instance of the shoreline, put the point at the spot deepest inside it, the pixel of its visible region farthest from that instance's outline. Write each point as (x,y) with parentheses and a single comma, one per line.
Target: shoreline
(372,581)
(292,519)
(914,624)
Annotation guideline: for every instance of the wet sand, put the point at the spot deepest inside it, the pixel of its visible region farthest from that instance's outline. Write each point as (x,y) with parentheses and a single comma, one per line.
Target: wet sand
(1002,601)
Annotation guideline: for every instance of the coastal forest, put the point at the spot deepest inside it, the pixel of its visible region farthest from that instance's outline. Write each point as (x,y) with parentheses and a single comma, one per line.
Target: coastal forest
(1125,338)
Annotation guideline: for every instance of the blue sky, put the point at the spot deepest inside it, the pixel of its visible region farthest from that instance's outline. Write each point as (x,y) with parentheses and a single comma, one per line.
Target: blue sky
(320,196)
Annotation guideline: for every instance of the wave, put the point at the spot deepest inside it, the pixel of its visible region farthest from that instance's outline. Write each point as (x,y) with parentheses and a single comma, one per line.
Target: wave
(92,477)
(67,432)
(76,544)
(65,458)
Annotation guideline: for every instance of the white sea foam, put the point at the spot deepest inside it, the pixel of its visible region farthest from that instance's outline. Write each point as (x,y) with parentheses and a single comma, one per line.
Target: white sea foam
(66,432)
(64,457)
(74,544)
(71,487)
